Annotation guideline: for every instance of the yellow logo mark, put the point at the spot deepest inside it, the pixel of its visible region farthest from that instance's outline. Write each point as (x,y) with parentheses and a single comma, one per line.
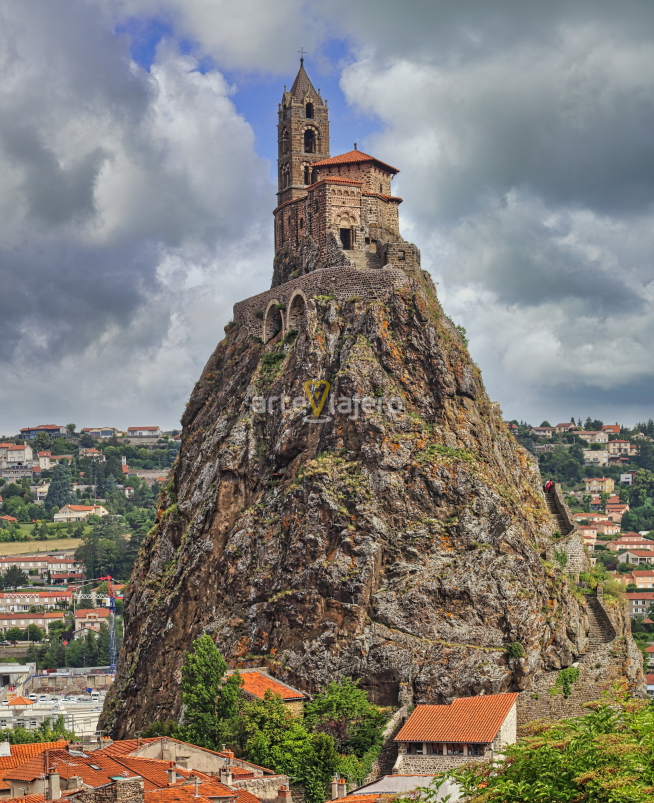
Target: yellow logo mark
(317,391)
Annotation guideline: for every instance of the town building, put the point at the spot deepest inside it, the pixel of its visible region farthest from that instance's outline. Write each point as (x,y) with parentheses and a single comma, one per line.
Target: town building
(600,485)
(593,437)
(22,601)
(612,429)
(100,432)
(641,579)
(588,533)
(621,447)
(87,619)
(638,602)
(29,433)
(620,545)
(438,737)
(257,682)
(144,432)
(636,556)
(79,512)
(542,432)
(93,454)
(23,620)
(595,457)
(563,428)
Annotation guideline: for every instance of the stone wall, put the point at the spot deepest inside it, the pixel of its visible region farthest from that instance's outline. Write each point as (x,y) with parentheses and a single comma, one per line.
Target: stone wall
(342,283)
(265,788)
(431,765)
(121,790)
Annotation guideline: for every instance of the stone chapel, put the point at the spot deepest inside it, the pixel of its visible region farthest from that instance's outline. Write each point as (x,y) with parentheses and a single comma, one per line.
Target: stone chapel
(331,209)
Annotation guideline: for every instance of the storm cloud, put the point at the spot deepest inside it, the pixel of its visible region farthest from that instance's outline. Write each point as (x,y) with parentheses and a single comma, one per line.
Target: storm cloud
(136,209)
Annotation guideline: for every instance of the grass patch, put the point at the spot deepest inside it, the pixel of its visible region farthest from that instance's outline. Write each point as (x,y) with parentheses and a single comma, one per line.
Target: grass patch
(30,547)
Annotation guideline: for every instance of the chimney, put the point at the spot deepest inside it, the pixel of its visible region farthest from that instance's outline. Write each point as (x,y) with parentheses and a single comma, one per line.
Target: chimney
(183,762)
(229,756)
(334,787)
(226,775)
(138,741)
(342,788)
(74,782)
(172,775)
(54,786)
(284,795)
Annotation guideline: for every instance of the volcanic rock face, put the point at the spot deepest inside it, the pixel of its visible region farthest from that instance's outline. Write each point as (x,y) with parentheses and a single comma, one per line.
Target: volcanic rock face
(399,546)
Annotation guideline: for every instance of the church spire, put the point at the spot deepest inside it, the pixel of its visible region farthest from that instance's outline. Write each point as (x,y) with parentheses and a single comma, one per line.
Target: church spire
(303,136)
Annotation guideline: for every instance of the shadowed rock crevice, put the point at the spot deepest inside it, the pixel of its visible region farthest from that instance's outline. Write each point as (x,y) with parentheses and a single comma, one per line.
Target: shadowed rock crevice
(405,544)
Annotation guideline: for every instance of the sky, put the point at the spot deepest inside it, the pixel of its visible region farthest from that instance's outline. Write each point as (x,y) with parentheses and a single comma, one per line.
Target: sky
(137,148)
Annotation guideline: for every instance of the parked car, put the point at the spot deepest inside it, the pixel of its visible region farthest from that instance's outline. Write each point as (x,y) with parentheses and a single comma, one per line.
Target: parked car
(43,699)
(5,643)
(33,696)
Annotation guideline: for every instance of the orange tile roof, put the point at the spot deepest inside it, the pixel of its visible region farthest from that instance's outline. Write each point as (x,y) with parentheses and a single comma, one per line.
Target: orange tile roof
(26,799)
(352,157)
(257,684)
(467,719)
(649,679)
(123,747)
(20,753)
(186,793)
(20,701)
(82,613)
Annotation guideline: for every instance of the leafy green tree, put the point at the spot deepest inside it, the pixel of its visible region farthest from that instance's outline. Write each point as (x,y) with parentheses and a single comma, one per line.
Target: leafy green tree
(34,633)
(70,428)
(103,645)
(14,634)
(606,756)
(202,674)
(60,491)
(16,577)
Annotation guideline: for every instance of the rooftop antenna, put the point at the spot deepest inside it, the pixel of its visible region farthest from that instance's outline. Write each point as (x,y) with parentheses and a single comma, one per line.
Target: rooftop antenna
(302,53)
(197,781)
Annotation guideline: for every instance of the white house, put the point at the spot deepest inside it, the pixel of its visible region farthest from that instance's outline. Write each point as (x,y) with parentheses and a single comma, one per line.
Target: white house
(144,432)
(79,512)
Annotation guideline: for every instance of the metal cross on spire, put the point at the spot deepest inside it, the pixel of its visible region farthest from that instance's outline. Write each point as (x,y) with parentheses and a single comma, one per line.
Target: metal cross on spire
(302,53)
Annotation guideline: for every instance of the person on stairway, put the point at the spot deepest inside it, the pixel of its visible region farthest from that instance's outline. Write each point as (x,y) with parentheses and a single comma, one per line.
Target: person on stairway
(548,486)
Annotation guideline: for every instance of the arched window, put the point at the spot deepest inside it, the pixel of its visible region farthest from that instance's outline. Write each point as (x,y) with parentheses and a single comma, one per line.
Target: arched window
(314,176)
(301,222)
(307,174)
(285,138)
(309,111)
(309,141)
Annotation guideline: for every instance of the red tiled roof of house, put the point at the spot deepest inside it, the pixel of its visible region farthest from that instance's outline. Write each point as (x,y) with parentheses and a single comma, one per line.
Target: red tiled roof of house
(8,518)
(26,799)
(257,684)
(650,649)
(82,613)
(20,701)
(649,679)
(641,553)
(123,747)
(136,429)
(467,719)
(643,573)
(353,157)
(20,753)
(186,793)
(81,508)
(640,595)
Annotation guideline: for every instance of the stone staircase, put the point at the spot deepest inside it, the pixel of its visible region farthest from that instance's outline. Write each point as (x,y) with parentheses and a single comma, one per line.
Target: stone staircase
(562,524)
(600,629)
(364,260)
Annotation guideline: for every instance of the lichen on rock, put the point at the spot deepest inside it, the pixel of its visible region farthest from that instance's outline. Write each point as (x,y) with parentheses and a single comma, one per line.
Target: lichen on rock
(405,545)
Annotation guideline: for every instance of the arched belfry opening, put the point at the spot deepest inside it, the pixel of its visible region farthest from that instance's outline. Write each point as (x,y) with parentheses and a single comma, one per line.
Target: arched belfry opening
(308,109)
(273,323)
(297,312)
(309,141)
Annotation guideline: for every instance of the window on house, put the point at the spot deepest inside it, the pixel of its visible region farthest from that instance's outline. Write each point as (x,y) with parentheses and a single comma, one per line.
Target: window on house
(415,749)
(454,749)
(434,749)
(309,141)
(475,749)
(309,110)
(401,255)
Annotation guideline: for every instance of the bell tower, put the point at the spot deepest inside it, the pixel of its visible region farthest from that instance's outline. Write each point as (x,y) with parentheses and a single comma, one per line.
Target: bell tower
(302,137)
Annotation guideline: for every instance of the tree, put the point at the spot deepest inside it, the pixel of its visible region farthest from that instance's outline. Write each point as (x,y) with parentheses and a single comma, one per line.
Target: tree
(70,428)
(14,634)
(16,577)
(546,424)
(603,756)
(34,633)
(104,656)
(60,491)
(202,674)
(42,442)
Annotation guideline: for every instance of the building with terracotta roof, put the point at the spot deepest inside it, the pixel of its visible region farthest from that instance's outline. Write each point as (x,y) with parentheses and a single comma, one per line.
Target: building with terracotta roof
(636,556)
(79,512)
(438,737)
(256,683)
(90,619)
(23,620)
(639,602)
(641,579)
(599,485)
(649,680)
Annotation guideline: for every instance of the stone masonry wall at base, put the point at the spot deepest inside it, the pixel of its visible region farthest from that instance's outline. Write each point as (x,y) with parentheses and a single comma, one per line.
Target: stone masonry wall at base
(428,765)
(343,283)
